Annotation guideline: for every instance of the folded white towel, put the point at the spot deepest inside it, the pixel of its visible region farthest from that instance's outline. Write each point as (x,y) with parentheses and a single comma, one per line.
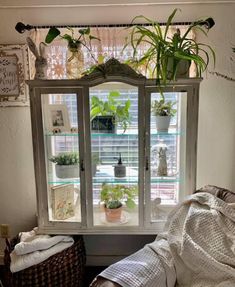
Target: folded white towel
(20,262)
(30,242)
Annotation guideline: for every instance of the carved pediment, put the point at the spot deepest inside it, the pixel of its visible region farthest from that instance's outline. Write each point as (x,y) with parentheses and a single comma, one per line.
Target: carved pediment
(113,68)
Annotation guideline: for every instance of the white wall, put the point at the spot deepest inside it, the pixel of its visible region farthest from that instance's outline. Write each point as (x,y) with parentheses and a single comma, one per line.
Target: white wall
(216,146)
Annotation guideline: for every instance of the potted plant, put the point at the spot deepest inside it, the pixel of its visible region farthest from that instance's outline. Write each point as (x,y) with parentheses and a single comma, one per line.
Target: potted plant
(75,59)
(105,115)
(67,164)
(164,54)
(163,111)
(114,196)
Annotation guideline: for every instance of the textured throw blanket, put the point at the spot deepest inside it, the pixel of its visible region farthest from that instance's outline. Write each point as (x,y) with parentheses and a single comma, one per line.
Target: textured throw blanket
(197,249)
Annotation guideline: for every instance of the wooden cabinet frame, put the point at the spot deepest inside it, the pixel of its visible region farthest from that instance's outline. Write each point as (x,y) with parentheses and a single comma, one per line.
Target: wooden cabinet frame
(112,71)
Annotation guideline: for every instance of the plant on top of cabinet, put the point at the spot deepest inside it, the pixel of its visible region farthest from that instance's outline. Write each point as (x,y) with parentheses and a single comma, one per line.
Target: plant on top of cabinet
(106,114)
(163,111)
(67,164)
(165,54)
(75,58)
(114,196)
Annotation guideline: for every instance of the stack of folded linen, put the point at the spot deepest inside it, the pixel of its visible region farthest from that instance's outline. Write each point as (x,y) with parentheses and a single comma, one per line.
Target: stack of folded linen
(33,249)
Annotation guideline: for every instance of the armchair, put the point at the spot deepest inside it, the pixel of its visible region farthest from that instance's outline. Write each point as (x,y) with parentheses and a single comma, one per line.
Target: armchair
(195,250)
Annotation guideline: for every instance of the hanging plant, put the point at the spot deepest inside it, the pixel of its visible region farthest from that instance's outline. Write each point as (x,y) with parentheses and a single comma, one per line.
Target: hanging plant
(164,53)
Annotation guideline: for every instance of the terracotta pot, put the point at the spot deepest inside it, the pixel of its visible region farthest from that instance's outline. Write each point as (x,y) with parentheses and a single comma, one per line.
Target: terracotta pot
(113,215)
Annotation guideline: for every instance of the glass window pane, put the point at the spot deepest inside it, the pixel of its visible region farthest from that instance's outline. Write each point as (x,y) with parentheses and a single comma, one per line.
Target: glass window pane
(115,159)
(166,153)
(61,137)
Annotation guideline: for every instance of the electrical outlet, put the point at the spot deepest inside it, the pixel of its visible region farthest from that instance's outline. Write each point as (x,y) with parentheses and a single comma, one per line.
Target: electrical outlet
(4,230)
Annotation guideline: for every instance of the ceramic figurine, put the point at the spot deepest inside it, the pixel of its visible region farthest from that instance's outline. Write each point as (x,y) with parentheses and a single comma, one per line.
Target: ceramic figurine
(119,168)
(162,166)
(41,61)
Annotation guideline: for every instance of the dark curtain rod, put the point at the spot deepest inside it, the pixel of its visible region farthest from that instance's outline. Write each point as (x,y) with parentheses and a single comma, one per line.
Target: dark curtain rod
(21,27)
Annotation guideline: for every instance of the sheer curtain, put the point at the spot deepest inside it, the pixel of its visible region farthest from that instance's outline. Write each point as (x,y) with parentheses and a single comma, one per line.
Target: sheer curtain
(112,41)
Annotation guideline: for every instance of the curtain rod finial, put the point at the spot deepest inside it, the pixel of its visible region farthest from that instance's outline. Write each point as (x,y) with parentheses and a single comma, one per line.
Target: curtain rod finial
(21,27)
(209,23)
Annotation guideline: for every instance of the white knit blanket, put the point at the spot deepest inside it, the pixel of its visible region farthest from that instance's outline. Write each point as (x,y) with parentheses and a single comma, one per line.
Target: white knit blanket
(197,250)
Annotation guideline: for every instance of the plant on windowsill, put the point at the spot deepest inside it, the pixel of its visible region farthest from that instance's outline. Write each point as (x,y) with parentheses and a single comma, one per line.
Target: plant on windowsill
(114,197)
(165,55)
(75,58)
(163,111)
(105,115)
(67,164)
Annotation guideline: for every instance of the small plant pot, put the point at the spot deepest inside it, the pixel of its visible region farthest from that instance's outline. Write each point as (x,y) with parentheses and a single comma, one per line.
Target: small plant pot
(182,68)
(163,123)
(67,171)
(113,215)
(103,124)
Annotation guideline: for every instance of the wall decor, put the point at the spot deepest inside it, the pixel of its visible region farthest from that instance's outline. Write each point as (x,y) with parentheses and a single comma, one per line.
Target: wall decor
(14,70)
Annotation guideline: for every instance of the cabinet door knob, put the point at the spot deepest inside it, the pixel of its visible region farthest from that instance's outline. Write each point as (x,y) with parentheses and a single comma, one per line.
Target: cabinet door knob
(82,168)
(147,163)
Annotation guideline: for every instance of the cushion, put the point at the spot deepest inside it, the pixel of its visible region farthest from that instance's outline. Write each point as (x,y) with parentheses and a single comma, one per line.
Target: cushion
(222,193)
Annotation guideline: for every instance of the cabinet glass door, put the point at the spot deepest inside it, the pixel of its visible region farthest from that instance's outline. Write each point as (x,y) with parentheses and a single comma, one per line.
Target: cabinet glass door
(166,153)
(114,154)
(62,155)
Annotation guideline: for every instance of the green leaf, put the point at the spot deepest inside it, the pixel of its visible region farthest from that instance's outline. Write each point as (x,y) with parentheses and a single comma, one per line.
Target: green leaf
(85,31)
(52,34)
(95,112)
(93,37)
(169,22)
(130,203)
(67,37)
(115,94)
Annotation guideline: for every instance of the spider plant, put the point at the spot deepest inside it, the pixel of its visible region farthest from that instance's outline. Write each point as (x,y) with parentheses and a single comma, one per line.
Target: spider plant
(164,54)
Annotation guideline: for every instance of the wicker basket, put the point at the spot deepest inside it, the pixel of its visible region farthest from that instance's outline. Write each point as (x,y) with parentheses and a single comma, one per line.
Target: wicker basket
(64,269)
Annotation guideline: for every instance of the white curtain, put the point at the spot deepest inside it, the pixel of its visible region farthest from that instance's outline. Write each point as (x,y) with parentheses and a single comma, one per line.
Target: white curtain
(112,41)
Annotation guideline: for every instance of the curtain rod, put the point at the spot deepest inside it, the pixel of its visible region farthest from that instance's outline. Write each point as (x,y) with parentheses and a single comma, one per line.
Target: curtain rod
(21,27)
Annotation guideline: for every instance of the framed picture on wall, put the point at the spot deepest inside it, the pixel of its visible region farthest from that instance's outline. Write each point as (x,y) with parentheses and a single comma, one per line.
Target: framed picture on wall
(14,70)
(57,119)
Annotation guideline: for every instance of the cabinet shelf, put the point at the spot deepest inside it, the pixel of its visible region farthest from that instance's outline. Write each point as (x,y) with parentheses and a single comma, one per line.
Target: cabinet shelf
(97,180)
(165,179)
(172,132)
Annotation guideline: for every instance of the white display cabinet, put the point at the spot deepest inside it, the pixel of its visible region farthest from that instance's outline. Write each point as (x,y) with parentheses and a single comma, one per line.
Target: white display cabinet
(72,199)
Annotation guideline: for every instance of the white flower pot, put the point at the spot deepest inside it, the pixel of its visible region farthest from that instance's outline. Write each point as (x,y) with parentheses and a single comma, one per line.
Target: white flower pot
(67,171)
(163,123)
